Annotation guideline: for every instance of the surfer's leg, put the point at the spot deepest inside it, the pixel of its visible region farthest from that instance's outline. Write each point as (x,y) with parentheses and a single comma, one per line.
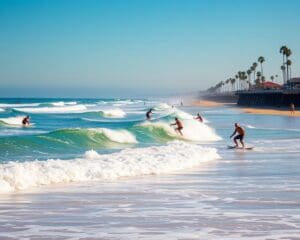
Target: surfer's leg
(235,141)
(242,141)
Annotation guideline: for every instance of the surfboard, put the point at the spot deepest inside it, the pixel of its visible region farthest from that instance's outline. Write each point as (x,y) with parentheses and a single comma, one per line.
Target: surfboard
(246,148)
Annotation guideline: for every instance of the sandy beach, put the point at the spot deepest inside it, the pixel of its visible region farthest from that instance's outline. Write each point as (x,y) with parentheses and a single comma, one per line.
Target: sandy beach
(207,103)
(268,111)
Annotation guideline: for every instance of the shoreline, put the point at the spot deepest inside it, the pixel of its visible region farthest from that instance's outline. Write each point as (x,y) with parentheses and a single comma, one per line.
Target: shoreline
(249,110)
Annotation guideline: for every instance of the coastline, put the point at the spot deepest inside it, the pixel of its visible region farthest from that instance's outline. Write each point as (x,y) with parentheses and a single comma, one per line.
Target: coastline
(270,111)
(249,110)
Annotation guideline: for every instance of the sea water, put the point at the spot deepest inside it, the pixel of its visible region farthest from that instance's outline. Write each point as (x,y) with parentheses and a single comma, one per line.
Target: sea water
(97,169)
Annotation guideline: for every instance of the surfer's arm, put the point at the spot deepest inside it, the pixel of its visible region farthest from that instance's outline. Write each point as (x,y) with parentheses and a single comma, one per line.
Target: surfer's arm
(233,134)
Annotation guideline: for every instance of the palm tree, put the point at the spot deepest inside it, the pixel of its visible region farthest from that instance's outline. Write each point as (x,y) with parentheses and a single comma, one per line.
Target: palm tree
(288,67)
(272,78)
(242,77)
(249,75)
(257,81)
(283,73)
(254,65)
(226,82)
(286,52)
(236,82)
(261,59)
(282,50)
(288,62)
(232,81)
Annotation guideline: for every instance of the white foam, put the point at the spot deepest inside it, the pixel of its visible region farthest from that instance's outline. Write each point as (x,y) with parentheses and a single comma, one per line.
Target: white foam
(94,167)
(193,130)
(12,105)
(183,115)
(162,106)
(61,103)
(119,136)
(249,126)
(114,113)
(62,109)
(2,110)
(17,121)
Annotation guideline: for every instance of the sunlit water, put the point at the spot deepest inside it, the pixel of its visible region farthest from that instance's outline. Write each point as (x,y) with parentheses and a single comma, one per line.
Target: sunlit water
(117,176)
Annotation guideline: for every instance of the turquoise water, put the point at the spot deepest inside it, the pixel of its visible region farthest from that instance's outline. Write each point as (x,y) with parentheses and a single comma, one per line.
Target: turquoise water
(95,168)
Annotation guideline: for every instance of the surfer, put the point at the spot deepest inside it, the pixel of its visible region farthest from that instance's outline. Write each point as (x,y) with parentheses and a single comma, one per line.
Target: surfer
(179,126)
(26,120)
(292,108)
(199,118)
(240,135)
(149,113)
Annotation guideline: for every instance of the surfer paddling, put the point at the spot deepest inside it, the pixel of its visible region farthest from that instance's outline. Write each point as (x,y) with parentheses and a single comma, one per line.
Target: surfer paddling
(26,121)
(179,126)
(199,118)
(240,135)
(149,113)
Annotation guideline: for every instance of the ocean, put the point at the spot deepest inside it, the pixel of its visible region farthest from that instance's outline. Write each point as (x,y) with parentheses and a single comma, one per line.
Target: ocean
(97,169)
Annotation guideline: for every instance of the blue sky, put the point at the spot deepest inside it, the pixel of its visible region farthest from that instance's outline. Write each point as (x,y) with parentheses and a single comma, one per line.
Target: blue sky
(135,47)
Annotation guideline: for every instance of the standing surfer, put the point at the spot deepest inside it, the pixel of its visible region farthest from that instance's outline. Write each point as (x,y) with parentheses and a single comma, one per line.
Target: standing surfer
(199,117)
(149,113)
(240,135)
(179,126)
(26,121)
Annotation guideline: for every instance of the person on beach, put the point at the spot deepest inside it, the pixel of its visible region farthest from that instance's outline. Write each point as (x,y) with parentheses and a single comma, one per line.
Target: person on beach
(199,118)
(26,121)
(292,107)
(179,126)
(240,135)
(149,113)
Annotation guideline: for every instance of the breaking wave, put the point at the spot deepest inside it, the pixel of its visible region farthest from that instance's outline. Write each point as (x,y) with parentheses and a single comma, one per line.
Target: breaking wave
(92,166)
(192,131)
(14,121)
(113,113)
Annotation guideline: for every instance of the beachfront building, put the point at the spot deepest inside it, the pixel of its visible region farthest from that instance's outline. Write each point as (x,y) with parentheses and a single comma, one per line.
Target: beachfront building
(294,83)
(271,86)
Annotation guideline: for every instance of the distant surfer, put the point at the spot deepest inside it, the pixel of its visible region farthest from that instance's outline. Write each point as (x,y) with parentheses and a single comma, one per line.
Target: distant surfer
(179,126)
(292,107)
(240,135)
(149,113)
(199,118)
(26,121)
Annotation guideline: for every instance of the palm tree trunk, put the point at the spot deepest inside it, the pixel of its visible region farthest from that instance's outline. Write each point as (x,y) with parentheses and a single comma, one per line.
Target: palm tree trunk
(283,63)
(287,72)
(283,76)
(261,68)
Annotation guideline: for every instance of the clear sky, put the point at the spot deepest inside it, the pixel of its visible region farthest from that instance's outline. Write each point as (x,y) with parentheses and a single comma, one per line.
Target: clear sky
(133,47)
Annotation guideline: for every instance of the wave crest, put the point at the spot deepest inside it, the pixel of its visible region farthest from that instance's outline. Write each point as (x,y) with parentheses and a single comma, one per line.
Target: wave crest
(113,113)
(192,131)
